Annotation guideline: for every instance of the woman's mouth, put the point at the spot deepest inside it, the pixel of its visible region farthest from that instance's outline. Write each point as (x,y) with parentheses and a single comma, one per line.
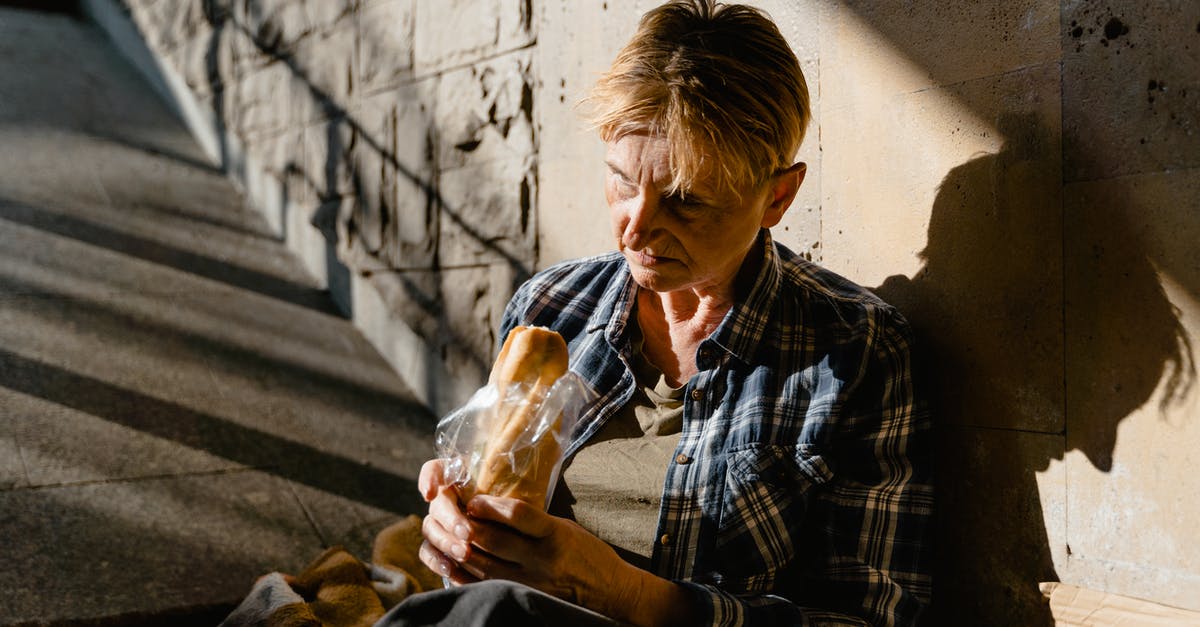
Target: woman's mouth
(646,259)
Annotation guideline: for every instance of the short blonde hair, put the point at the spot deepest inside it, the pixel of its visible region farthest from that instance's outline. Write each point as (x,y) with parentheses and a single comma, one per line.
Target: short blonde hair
(718,81)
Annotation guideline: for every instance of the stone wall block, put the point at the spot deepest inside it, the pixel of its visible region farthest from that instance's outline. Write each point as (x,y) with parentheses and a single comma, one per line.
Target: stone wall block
(454,32)
(487,214)
(325,64)
(882,49)
(573,218)
(454,312)
(410,180)
(182,21)
(260,97)
(277,25)
(1131,91)
(415,297)
(385,44)
(328,152)
(277,153)
(474,298)
(299,190)
(394,176)
(485,111)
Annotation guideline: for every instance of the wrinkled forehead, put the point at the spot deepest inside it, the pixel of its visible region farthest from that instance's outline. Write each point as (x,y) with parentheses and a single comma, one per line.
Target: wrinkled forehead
(646,157)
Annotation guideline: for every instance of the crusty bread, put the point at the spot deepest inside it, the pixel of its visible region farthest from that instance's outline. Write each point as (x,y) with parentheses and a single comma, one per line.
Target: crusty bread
(535,357)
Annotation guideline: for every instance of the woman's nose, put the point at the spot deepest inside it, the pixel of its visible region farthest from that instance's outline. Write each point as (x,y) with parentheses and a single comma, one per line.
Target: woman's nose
(642,212)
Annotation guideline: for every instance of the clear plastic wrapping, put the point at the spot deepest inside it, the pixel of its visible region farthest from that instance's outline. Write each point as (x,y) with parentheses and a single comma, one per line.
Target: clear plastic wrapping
(508,440)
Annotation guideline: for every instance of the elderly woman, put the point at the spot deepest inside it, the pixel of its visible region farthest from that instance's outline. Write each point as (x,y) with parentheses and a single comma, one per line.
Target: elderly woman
(757,454)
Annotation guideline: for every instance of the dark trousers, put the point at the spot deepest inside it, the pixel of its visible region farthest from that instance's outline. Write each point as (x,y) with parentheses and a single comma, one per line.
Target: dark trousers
(492,603)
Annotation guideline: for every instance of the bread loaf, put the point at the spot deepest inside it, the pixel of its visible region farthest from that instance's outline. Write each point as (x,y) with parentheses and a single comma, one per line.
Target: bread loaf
(535,358)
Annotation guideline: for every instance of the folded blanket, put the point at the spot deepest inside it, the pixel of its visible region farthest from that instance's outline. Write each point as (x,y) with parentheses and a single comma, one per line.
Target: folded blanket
(338,590)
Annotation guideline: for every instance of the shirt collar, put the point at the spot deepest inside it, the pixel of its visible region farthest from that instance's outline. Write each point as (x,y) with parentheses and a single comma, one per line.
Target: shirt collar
(615,307)
(744,326)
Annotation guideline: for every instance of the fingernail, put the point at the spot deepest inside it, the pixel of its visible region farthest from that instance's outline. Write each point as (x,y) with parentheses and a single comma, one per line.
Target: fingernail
(462,532)
(458,551)
(443,568)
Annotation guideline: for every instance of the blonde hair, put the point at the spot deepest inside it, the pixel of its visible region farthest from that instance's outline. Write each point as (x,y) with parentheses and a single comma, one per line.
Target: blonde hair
(718,82)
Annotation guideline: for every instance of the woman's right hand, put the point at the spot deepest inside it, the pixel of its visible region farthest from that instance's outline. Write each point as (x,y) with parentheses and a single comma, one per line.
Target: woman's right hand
(445,528)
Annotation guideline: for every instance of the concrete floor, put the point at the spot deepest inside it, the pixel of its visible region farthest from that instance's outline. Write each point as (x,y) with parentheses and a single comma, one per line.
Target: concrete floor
(181,408)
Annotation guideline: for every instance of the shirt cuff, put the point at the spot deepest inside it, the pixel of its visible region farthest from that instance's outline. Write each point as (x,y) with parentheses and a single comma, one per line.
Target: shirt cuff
(720,607)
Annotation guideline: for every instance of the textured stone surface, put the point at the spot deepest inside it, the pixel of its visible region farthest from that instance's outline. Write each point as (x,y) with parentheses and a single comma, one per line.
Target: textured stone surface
(326,62)
(97,550)
(573,219)
(453,32)
(1132,398)
(485,111)
(385,43)
(881,49)
(397,139)
(487,214)
(1131,93)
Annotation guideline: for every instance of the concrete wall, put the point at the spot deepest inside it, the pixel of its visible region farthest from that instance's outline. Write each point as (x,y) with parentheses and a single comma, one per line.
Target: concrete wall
(1020,178)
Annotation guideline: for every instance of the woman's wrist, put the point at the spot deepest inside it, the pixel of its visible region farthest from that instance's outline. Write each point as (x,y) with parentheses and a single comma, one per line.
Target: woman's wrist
(647,600)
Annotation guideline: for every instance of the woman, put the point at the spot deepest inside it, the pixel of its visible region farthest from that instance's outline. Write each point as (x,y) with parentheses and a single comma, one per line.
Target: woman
(757,454)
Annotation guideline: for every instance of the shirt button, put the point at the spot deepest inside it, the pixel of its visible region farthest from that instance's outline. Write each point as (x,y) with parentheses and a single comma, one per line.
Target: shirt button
(665,540)
(682,459)
(697,394)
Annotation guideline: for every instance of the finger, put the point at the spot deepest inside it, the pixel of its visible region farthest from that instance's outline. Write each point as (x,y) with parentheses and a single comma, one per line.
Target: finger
(444,566)
(481,565)
(511,512)
(493,540)
(438,537)
(430,478)
(446,509)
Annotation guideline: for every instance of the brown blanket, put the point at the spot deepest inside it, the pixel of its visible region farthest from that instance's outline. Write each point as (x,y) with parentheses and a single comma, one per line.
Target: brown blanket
(338,590)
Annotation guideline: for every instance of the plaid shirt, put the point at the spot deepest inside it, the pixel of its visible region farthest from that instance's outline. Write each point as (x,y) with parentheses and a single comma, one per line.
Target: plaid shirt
(801,489)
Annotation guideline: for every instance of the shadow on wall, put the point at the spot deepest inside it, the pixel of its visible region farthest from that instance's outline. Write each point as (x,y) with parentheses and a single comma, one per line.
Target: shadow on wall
(988,309)
(361,227)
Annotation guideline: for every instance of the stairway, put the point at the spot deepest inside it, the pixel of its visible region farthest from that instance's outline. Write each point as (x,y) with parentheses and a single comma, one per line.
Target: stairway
(182,408)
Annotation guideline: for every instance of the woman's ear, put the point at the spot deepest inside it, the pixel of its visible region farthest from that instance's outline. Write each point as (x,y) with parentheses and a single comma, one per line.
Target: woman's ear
(783,190)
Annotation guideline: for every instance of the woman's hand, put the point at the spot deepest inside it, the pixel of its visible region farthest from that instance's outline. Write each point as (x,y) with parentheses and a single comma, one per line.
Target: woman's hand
(438,527)
(505,538)
(509,539)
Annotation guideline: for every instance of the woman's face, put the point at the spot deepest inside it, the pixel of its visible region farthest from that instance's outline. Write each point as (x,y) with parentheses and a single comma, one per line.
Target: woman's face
(696,240)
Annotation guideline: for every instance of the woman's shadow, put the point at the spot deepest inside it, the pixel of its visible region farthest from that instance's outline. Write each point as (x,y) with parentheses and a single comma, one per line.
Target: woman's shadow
(1042,325)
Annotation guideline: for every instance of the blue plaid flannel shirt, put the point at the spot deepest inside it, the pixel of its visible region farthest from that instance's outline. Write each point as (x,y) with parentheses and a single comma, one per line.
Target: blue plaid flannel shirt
(801,490)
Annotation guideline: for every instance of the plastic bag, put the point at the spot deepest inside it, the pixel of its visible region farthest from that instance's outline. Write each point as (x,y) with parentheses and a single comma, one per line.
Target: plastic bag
(509,440)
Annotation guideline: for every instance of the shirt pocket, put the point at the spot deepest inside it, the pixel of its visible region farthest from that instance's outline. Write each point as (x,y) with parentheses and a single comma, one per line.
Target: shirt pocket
(767,491)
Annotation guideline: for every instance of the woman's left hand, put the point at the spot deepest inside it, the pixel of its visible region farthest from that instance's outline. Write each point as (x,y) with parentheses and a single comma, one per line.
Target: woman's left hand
(509,539)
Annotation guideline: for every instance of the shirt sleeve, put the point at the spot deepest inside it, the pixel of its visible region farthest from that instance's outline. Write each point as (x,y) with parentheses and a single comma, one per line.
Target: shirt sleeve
(873,518)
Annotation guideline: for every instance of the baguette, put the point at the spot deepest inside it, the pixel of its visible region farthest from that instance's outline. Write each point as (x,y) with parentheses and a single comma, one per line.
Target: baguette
(535,358)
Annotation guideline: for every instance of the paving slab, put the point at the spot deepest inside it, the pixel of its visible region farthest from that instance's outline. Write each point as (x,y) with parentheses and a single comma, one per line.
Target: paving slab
(182,407)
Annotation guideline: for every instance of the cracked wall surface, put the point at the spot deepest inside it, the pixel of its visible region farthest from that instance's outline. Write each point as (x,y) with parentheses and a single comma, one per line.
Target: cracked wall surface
(1019,178)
